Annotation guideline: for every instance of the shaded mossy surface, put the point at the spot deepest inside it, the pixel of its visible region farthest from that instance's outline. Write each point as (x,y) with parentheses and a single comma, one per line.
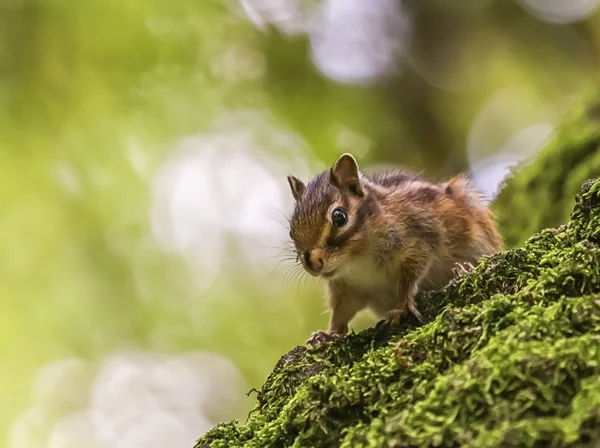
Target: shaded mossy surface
(541,194)
(509,356)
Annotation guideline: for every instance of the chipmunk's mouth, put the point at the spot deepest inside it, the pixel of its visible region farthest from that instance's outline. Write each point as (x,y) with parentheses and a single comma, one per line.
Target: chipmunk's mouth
(328,274)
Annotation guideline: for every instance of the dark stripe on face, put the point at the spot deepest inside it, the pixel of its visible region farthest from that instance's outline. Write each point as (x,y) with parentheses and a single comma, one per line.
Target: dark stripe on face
(346,203)
(310,212)
(363,214)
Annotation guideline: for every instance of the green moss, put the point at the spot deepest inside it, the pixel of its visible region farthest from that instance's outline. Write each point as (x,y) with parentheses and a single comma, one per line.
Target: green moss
(544,191)
(510,356)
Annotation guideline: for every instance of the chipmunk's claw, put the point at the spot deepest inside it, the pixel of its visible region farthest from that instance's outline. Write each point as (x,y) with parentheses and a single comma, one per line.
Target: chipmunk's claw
(382,327)
(461,269)
(381,324)
(320,337)
(414,311)
(394,317)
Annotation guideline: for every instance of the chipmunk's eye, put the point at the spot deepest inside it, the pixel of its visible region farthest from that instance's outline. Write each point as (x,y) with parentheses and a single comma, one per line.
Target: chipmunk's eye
(338,217)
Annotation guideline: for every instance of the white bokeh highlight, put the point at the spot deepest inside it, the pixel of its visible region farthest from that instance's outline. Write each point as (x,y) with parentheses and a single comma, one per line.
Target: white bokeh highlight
(225,184)
(560,11)
(490,173)
(509,131)
(291,17)
(358,42)
(132,400)
(351,42)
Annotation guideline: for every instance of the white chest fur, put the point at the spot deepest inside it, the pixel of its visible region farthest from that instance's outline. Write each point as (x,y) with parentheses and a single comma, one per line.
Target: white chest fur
(363,273)
(375,286)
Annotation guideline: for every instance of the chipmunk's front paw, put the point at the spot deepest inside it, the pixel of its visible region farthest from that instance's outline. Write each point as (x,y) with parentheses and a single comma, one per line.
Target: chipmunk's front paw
(319,337)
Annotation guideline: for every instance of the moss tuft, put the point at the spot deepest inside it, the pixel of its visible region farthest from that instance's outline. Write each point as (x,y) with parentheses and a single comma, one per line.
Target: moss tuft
(510,356)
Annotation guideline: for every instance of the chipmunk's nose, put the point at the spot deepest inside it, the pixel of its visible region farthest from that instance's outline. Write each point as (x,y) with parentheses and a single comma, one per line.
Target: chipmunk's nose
(314,260)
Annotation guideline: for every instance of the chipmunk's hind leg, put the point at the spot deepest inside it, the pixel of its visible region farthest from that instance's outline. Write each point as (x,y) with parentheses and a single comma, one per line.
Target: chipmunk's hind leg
(406,306)
(396,315)
(408,288)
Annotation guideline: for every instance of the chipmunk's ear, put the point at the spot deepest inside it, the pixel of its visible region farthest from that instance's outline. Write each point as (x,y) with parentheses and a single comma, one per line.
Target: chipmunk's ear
(346,175)
(297,186)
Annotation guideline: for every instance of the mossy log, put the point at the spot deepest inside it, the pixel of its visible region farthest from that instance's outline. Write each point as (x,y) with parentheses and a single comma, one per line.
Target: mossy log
(509,356)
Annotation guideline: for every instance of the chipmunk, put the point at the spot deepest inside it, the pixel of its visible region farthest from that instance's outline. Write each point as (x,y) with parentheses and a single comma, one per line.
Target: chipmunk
(379,239)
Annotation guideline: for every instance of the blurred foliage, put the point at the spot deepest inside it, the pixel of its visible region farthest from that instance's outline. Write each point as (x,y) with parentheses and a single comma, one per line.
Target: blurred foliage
(93,96)
(569,159)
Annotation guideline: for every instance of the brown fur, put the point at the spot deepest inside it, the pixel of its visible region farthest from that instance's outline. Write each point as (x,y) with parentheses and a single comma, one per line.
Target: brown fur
(404,234)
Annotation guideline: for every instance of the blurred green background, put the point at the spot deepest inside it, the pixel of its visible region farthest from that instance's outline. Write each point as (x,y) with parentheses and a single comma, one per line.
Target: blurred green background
(143,153)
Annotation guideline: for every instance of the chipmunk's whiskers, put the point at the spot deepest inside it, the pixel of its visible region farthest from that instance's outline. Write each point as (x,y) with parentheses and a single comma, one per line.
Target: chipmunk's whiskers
(282,261)
(287,222)
(291,273)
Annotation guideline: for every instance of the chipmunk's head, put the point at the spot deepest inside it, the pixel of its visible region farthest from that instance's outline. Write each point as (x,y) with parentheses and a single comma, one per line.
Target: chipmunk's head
(329,218)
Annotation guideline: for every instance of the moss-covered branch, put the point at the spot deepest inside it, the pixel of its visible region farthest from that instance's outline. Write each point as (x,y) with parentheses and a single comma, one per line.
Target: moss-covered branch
(510,357)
